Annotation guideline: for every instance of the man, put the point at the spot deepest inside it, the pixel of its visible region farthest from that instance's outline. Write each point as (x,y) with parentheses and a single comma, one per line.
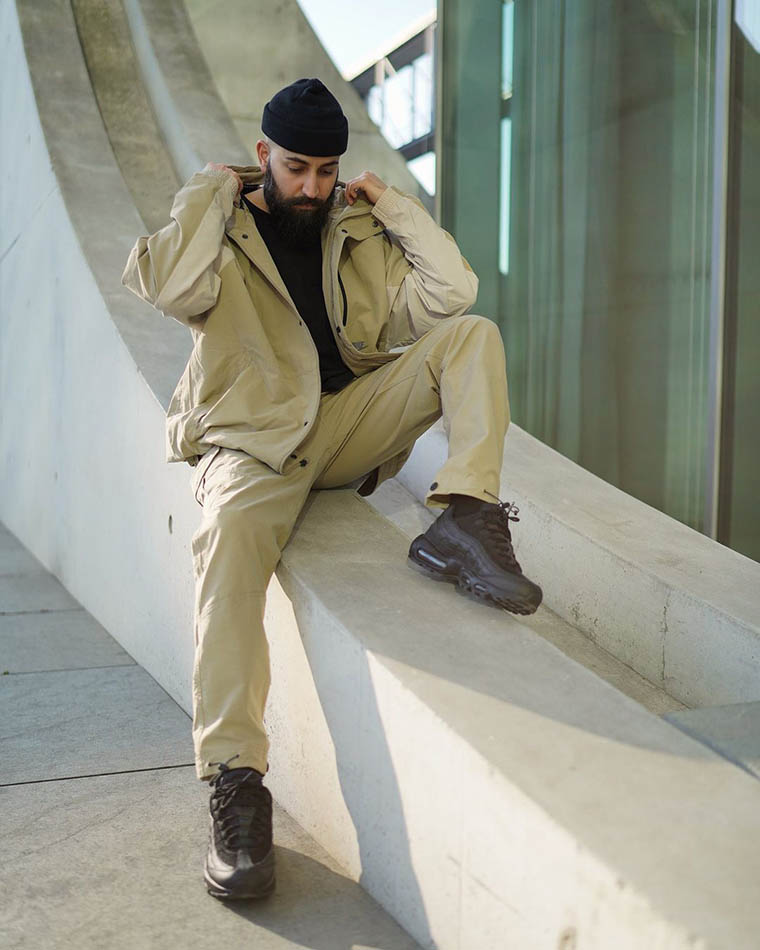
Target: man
(296,288)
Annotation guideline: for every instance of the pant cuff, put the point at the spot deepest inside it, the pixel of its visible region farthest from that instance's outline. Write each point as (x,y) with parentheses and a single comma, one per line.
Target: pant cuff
(440,491)
(245,760)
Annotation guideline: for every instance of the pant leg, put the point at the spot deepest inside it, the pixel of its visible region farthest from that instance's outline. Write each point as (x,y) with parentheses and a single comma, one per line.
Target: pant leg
(456,370)
(249,510)
(248,513)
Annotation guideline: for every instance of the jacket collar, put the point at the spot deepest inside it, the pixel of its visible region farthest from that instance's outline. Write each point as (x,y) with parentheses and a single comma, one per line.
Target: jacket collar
(357,218)
(355,221)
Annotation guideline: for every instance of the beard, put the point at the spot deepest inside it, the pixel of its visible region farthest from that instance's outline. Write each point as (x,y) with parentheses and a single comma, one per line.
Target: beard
(296,226)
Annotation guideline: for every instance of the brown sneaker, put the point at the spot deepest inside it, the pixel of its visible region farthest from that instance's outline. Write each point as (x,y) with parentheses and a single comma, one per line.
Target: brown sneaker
(240,859)
(474,551)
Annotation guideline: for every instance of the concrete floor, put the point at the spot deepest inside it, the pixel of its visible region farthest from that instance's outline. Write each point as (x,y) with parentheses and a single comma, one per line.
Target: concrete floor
(104,824)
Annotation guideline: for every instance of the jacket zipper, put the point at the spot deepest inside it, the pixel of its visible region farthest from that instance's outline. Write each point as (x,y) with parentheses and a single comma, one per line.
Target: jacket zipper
(351,352)
(345,300)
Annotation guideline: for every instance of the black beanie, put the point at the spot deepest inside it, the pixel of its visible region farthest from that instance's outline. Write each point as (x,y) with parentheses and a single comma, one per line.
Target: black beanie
(306,117)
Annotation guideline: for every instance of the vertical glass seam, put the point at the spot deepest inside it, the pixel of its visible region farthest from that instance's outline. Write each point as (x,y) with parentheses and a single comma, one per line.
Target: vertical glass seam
(718,262)
(532,213)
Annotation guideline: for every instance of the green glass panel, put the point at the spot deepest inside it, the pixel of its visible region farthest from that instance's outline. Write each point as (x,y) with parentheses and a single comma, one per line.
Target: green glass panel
(739,513)
(603,292)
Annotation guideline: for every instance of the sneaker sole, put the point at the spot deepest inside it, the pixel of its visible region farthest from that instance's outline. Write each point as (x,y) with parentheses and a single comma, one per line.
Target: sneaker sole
(222,893)
(436,565)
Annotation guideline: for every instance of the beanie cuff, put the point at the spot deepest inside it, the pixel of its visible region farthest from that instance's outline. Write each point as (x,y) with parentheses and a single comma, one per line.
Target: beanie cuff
(319,142)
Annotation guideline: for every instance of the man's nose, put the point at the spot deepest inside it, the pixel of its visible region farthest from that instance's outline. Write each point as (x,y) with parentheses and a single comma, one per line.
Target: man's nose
(310,187)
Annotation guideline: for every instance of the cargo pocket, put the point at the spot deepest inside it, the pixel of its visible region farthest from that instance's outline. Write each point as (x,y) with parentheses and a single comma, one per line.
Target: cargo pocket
(200,472)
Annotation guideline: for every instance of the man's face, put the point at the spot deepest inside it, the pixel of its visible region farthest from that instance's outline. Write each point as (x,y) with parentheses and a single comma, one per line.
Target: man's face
(299,191)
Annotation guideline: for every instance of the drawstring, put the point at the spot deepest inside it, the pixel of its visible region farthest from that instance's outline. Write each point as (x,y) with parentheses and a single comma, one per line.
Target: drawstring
(509,509)
(223,767)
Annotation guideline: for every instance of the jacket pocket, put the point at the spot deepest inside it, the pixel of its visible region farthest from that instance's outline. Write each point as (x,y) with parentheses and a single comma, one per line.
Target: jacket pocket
(199,476)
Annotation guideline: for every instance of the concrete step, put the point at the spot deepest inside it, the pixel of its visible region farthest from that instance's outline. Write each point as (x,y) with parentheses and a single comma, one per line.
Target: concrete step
(487,789)
(104,823)
(396,502)
(732,731)
(665,600)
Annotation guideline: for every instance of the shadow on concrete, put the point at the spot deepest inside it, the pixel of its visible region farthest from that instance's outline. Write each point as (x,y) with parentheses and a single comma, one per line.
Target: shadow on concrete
(372,796)
(316,908)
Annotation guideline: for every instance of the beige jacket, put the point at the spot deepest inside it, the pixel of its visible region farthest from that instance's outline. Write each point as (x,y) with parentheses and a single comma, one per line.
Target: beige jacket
(252,381)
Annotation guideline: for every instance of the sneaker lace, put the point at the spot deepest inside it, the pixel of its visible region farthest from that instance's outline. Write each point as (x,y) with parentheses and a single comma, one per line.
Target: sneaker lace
(496,519)
(242,809)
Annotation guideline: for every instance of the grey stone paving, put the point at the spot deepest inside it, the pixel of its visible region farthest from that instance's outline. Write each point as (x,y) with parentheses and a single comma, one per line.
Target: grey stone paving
(57,640)
(33,592)
(103,824)
(87,722)
(115,862)
(13,557)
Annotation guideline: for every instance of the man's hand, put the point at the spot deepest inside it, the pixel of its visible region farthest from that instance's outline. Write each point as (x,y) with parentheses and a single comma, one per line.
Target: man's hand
(226,168)
(367,185)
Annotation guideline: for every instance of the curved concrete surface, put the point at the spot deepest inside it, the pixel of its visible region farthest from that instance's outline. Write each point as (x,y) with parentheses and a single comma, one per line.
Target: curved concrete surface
(86,372)
(455,762)
(254,48)
(193,120)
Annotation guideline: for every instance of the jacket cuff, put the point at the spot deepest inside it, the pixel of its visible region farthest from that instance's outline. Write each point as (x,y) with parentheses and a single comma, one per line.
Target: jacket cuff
(227,180)
(388,204)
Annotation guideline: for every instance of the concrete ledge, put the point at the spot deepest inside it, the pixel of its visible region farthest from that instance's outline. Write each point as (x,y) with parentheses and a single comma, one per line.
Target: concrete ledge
(464,769)
(679,608)
(732,731)
(400,507)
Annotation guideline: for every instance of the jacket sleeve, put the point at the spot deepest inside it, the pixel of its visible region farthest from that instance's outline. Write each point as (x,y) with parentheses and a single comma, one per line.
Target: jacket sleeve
(434,280)
(177,268)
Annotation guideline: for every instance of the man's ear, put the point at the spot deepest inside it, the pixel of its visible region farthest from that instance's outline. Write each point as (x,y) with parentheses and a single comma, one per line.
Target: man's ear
(262,151)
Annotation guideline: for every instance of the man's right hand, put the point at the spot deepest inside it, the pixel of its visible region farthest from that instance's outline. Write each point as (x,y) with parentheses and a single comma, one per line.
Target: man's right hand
(226,168)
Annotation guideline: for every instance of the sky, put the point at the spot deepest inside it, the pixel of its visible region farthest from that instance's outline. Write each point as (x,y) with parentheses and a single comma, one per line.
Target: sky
(355,32)
(747,15)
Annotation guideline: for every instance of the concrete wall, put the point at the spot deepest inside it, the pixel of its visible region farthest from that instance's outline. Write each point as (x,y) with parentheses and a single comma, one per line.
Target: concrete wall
(84,373)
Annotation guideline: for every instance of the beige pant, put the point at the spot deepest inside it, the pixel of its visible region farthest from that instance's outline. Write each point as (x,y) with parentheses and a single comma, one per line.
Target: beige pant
(456,370)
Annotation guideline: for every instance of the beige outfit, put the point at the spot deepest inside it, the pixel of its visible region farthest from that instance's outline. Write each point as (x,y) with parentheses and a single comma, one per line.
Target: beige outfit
(249,412)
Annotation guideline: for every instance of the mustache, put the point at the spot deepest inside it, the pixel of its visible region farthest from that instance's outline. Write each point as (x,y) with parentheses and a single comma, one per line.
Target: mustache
(302,202)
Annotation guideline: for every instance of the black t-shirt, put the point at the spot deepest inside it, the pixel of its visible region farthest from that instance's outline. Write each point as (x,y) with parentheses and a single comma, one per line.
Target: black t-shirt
(301,271)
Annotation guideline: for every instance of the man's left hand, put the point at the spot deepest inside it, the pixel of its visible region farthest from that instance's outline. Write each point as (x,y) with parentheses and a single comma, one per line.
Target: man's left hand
(367,185)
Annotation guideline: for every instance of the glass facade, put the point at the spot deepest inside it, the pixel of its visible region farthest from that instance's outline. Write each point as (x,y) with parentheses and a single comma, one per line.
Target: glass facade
(739,507)
(398,91)
(583,169)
